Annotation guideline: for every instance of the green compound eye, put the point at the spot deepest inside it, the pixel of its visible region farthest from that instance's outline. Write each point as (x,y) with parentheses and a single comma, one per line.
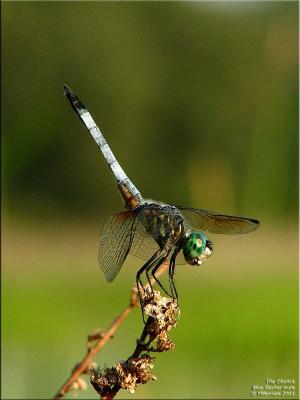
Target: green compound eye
(194,246)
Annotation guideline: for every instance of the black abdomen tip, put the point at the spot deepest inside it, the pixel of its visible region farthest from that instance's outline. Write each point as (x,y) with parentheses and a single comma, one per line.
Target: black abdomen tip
(70,95)
(66,88)
(73,99)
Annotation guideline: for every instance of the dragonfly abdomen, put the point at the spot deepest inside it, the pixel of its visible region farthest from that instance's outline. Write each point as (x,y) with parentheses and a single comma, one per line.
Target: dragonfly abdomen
(131,200)
(129,192)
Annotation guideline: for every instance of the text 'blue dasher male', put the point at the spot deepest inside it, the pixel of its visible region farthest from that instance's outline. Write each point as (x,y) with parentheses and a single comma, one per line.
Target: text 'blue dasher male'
(150,229)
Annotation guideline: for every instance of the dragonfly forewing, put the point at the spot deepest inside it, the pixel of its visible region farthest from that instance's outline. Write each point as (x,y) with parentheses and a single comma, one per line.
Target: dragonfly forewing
(217,223)
(115,242)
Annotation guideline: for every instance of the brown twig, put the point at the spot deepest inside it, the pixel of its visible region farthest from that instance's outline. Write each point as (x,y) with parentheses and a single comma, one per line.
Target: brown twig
(163,315)
(110,391)
(84,365)
(87,360)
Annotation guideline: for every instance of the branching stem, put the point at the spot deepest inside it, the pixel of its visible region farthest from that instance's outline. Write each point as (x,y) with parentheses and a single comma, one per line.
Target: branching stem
(84,365)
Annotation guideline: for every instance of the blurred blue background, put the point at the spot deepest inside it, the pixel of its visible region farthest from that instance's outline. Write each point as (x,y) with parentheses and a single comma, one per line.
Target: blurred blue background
(199,102)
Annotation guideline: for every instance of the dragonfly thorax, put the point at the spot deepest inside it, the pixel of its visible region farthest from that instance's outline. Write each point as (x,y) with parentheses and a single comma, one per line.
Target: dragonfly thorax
(196,248)
(163,223)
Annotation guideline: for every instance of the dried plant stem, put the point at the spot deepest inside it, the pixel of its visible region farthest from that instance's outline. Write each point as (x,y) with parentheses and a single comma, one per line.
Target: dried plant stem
(163,314)
(84,365)
(140,347)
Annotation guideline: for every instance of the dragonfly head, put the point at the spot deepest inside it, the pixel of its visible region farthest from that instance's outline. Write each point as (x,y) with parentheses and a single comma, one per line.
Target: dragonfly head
(196,248)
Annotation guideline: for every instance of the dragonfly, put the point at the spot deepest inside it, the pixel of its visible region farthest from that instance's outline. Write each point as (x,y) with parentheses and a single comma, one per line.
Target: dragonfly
(152,230)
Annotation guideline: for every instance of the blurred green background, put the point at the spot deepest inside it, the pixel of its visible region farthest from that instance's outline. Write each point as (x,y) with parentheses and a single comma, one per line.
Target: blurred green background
(199,102)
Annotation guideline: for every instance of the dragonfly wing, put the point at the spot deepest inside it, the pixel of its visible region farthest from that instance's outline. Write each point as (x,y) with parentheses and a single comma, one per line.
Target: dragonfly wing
(144,245)
(217,223)
(115,242)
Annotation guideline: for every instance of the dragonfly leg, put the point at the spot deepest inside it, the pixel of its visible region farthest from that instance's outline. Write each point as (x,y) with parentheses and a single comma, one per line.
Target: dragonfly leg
(148,265)
(171,278)
(139,283)
(147,274)
(156,267)
(171,275)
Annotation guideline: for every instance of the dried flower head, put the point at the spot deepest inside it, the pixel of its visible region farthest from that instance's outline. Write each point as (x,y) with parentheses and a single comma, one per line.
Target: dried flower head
(104,379)
(163,309)
(163,315)
(126,374)
(164,342)
(134,372)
